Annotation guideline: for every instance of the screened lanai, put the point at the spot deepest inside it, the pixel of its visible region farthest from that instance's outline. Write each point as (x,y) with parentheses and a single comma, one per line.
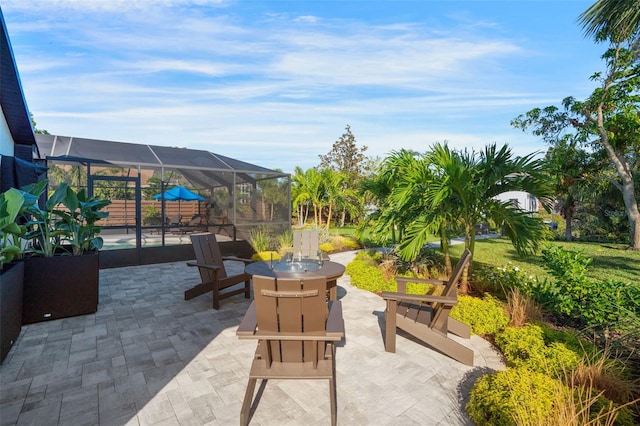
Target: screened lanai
(236,196)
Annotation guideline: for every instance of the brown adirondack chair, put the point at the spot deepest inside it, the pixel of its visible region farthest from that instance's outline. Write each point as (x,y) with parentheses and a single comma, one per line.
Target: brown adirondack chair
(210,263)
(426,317)
(305,243)
(296,331)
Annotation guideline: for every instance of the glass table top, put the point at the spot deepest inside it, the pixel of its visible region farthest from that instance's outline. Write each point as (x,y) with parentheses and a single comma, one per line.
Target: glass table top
(297,265)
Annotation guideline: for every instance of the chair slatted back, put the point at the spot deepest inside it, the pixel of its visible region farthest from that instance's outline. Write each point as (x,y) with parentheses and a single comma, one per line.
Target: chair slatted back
(291,307)
(207,251)
(174,220)
(440,311)
(306,244)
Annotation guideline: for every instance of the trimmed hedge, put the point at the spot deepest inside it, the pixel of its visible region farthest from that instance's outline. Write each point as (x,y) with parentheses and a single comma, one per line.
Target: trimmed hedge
(495,398)
(484,316)
(524,347)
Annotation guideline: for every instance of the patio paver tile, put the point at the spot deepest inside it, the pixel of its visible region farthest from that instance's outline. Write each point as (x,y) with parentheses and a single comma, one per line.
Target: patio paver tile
(147,357)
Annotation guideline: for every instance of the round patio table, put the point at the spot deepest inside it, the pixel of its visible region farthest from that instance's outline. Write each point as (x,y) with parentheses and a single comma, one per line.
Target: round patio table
(329,269)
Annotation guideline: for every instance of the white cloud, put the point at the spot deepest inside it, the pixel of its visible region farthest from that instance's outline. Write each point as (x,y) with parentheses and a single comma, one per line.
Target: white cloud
(276,89)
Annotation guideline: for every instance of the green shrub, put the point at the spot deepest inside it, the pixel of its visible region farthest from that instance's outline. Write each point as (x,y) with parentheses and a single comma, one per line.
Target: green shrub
(365,275)
(484,316)
(605,304)
(524,347)
(285,241)
(351,243)
(570,339)
(151,216)
(498,399)
(519,396)
(260,239)
(327,247)
(602,405)
(369,256)
(499,280)
(428,263)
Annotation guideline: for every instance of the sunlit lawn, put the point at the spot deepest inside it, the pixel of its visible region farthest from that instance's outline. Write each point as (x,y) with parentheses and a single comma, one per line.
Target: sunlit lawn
(610,261)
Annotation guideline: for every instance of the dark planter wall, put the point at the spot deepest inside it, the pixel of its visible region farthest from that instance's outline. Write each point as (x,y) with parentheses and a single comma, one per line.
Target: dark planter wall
(59,287)
(174,253)
(11,284)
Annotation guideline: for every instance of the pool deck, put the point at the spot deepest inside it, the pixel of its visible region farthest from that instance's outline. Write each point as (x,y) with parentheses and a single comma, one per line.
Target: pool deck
(147,357)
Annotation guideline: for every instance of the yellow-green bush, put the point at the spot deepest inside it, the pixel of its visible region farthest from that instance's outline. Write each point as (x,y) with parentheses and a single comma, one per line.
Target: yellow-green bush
(365,275)
(265,255)
(498,399)
(340,243)
(519,396)
(525,347)
(484,316)
(327,247)
(569,338)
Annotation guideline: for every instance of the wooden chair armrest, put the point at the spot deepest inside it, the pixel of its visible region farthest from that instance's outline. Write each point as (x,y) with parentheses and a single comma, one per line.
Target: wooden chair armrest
(247,327)
(294,337)
(420,280)
(238,259)
(447,300)
(203,265)
(335,322)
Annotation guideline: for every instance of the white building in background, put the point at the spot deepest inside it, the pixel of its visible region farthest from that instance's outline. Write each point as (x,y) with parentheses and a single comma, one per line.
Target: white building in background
(520,199)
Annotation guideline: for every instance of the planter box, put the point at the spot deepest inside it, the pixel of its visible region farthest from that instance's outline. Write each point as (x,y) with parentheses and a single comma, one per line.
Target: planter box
(59,287)
(11,285)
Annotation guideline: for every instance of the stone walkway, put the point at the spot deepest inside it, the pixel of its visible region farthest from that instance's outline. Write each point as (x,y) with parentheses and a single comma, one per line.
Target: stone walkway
(147,357)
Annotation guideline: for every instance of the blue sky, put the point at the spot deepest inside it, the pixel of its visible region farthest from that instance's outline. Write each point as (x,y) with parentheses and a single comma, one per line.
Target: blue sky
(274,83)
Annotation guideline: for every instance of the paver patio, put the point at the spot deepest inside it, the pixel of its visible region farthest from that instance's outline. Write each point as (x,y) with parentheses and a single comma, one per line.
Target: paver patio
(147,357)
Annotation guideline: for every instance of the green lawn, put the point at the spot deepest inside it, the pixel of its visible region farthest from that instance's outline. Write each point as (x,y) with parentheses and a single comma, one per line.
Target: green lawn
(609,260)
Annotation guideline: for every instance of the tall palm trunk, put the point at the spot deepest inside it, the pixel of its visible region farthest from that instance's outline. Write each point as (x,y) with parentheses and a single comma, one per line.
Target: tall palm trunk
(470,243)
(444,245)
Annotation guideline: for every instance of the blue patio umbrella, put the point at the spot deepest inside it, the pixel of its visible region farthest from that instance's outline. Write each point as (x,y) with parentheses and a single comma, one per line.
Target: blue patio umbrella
(179,193)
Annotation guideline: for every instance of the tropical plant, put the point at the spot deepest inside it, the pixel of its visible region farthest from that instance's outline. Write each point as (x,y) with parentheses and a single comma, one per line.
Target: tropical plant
(260,239)
(151,216)
(334,186)
(308,188)
(350,161)
(79,220)
(608,304)
(68,218)
(445,189)
(14,204)
(388,219)
(615,19)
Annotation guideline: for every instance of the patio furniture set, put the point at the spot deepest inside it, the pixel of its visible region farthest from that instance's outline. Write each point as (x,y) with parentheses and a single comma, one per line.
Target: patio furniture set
(297,319)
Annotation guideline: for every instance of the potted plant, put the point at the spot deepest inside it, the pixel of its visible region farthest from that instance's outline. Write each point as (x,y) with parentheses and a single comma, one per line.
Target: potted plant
(13,206)
(61,277)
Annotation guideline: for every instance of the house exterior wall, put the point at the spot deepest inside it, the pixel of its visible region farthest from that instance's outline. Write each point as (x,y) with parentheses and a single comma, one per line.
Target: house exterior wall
(522,200)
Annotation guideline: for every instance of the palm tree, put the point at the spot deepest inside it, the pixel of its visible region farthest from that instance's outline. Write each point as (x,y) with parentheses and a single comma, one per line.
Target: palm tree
(309,188)
(387,218)
(451,186)
(617,20)
(334,189)
(299,195)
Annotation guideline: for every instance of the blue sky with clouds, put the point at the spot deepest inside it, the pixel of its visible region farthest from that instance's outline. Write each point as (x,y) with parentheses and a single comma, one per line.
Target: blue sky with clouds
(274,83)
